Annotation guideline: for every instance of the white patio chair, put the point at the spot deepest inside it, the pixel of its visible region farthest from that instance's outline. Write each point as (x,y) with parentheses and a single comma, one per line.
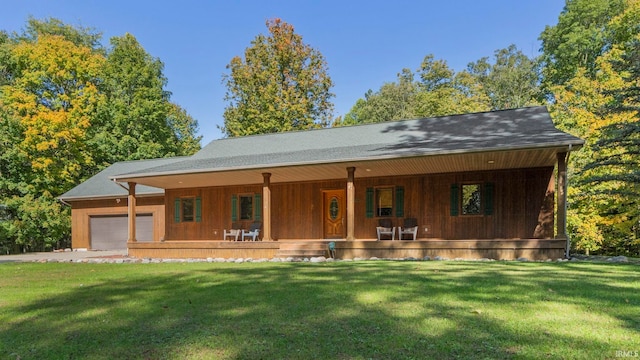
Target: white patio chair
(234,233)
(253,232)
(409,227)
(385,228)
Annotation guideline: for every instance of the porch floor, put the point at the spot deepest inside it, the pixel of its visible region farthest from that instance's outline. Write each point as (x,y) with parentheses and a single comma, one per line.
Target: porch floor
(507,249)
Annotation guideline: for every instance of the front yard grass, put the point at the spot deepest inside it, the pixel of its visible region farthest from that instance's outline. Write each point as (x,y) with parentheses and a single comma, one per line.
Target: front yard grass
(339,310)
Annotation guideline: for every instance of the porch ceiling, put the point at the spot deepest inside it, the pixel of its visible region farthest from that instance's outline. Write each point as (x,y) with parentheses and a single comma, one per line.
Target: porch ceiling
(432,164)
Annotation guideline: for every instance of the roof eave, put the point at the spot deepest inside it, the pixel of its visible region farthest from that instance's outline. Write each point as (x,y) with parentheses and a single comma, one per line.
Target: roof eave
(107,197)
(569,145)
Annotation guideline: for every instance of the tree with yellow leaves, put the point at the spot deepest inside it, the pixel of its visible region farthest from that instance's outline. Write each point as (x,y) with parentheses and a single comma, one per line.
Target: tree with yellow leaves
(597,100)
(64,102)
(54,96)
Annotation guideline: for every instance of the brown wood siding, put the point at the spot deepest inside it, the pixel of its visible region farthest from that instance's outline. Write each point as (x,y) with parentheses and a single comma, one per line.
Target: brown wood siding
(82,210)
(216,212)
(294,203)
(523,207)
(365,228)
(297,209)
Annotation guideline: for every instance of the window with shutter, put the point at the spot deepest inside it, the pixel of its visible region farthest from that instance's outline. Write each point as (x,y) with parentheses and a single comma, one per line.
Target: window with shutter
(187,209)
(234,207)
(472,199)
(384,201)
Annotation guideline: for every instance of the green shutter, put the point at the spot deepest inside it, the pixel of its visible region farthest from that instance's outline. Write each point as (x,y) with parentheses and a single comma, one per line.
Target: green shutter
(176,210)
(198,209)
(257,204)
(399,201)
(234,207)
(454,199)
(369,203)
(488,199)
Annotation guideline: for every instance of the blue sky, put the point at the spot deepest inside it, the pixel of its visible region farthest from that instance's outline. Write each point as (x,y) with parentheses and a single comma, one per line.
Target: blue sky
(365,43)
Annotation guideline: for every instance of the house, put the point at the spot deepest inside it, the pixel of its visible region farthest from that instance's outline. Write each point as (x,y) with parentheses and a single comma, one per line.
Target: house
(99,209)
(478,185)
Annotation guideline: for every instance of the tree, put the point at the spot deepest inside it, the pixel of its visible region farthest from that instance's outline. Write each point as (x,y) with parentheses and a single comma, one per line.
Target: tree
(54,95)
(62,102)
(578,39)
(596,103)
(47,107)
(281,84)
(5,75)
(78,35)
(444,92)
(512,81)
(393,101)
(133,121)
(439,91)
(184,129)
(614,168)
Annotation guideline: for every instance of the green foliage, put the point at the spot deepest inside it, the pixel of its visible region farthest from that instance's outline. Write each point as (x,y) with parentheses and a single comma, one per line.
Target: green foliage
(511,81)
(54,96)
(40,223)
(281,84)
(137,120)
(184,129)
(599,102)
(614,167)
(5,75)
(443,92)
(67,109)
(581,35)
(393,101)
(80,36)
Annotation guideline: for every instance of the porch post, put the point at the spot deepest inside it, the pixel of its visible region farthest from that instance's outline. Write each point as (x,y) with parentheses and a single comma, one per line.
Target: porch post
(562,197)
(266,207)
(132,212)
(351,199)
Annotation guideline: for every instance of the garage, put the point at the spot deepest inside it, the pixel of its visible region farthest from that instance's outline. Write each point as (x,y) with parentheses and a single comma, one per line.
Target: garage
(110,232)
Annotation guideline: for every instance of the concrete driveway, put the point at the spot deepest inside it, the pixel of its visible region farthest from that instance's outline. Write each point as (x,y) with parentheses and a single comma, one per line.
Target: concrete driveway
(61,256)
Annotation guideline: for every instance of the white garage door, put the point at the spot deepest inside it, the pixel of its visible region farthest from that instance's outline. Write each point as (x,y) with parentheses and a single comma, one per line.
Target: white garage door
(111,232)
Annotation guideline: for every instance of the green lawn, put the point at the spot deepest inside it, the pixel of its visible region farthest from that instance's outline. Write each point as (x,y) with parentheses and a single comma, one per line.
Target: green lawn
(340,310)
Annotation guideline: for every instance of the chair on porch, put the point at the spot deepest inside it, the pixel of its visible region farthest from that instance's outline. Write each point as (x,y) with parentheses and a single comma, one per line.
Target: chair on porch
(233,233)
(385,228)
(409,227)
(253,232)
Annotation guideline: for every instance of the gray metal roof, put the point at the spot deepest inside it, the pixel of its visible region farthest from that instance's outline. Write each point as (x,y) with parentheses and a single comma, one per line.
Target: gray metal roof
(523,128)
(101,185)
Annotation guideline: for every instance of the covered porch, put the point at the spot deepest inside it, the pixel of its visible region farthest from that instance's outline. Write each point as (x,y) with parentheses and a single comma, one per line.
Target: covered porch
(486,185)
(357,237)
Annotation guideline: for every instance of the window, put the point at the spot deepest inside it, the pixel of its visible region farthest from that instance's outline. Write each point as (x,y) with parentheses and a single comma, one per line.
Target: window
(387,201)
(246,207)
(471,199)
(384,202)
(187,209)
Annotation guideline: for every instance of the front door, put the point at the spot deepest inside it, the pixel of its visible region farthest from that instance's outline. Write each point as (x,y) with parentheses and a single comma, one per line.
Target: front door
(334,214)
